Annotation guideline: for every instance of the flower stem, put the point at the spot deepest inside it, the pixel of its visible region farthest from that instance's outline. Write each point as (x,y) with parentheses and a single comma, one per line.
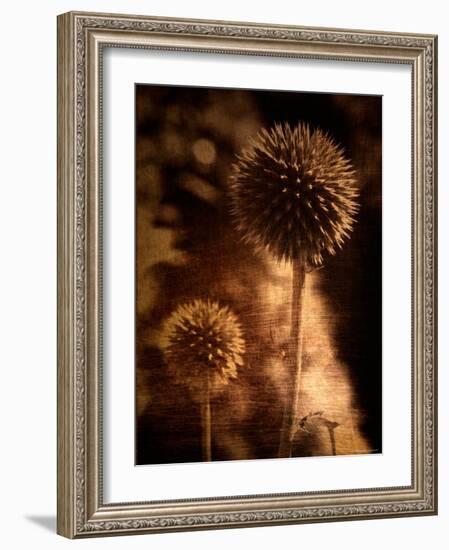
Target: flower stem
(206,423)
(290,418)
(332,440)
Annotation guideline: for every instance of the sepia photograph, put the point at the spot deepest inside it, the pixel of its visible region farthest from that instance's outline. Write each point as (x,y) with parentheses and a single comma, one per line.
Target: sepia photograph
(258,269)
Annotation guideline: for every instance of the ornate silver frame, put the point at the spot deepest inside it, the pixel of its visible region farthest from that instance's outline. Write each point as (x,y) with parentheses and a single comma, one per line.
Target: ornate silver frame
(81,39)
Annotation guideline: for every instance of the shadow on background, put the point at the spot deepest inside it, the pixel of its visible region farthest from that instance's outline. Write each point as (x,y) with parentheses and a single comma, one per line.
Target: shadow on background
(46,522)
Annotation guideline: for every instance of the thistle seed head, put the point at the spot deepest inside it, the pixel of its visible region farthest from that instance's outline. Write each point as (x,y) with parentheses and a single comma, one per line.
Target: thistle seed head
(294,193)
(203,339)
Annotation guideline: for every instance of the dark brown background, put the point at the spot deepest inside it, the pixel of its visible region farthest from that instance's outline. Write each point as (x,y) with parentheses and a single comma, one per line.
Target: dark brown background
(186,141)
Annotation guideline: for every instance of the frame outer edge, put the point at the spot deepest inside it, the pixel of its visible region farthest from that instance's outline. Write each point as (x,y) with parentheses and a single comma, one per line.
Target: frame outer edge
(161,19)
(65,279)
(435,268)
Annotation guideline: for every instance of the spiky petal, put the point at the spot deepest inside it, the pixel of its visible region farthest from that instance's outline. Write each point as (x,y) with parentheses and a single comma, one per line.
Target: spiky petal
(201,337)
(294,193)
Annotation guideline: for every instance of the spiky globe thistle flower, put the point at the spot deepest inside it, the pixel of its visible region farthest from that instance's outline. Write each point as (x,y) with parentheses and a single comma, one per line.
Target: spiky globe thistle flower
(203,340)
(293,192)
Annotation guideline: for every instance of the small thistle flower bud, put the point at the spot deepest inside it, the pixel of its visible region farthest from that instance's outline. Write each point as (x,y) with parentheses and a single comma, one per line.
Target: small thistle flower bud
(293,193)
(203,339)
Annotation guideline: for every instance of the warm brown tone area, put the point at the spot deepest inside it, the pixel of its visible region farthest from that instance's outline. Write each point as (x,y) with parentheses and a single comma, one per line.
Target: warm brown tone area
(189,248)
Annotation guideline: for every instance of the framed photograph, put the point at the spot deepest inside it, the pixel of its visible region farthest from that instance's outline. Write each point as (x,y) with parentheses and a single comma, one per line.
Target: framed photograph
(246,274)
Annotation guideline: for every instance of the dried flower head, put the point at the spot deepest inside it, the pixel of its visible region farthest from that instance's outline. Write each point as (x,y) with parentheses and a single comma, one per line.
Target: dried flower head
(203,338)
(293,193)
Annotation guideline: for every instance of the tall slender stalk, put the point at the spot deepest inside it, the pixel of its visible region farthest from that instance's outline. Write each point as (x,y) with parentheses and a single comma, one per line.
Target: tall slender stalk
(290,416)
(206,431)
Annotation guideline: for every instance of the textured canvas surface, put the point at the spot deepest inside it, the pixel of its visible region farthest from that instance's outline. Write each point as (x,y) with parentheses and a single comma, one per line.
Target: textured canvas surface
(211,300)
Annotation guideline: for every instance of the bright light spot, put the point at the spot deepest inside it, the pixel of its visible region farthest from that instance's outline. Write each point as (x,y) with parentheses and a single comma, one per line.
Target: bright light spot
(204,151)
